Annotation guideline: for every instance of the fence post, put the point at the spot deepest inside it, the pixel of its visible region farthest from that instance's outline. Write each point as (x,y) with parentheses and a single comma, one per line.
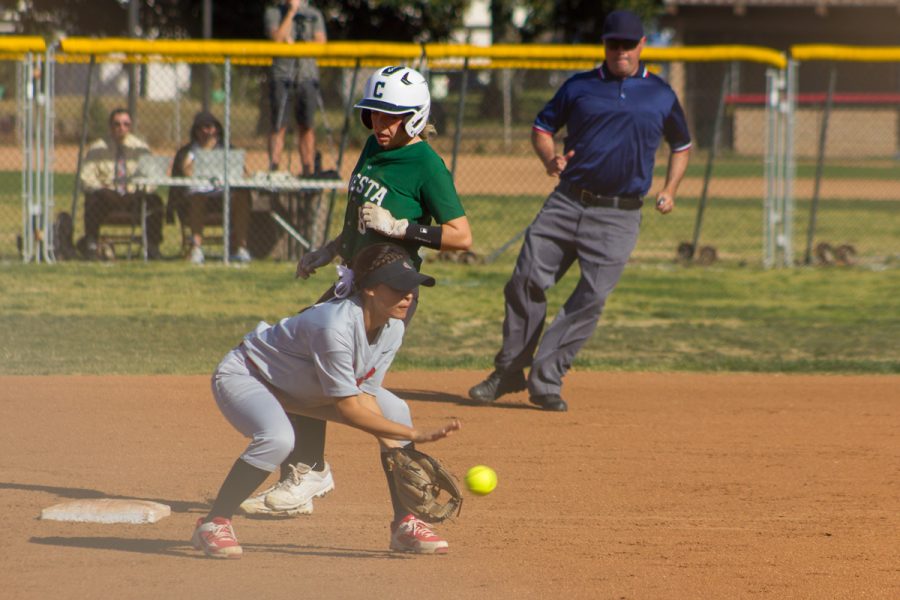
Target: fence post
(76,186)
(820,164)
(345,134)
(49,202)
(790,169)
(133,19)
(226,196)
(711,159)
(506,79)
(459,114)
(26,84)
(771,166)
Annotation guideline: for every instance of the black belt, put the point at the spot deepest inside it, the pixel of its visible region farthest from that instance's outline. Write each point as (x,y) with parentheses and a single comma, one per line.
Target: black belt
(588,198)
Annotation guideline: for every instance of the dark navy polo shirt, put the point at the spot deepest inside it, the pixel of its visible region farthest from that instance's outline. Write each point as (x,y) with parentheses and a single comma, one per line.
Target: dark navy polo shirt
(614,126)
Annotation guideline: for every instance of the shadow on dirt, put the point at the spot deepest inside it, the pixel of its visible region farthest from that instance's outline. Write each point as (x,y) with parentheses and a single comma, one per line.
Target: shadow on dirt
(181,549)
(432,396)
(178,506)
(142,546)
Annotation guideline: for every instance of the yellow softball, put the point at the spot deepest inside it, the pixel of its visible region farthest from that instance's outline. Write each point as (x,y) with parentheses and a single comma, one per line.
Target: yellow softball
(481,480)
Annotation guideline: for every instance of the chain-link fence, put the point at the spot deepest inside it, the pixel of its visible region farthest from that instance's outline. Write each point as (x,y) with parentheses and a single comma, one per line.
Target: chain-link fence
(846,122)
(265,219)
(735,205)
(23,147)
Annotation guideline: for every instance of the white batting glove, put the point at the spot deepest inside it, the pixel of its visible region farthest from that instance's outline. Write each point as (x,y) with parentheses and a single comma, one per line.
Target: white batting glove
(311,261)
(381,220)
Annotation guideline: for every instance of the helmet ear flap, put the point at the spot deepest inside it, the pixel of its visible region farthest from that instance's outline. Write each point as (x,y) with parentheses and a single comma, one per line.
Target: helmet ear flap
(365,116)
(416,122)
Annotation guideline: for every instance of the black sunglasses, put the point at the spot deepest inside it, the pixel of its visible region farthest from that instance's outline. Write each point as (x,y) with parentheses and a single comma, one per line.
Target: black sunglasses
(621,44)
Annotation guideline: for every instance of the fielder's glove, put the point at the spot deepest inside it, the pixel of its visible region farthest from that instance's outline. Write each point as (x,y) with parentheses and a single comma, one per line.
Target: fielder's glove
(311,261)
(382,221)
(424,487)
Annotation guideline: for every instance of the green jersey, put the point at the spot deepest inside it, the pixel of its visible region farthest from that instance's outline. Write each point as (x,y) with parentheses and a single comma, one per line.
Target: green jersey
(411,182)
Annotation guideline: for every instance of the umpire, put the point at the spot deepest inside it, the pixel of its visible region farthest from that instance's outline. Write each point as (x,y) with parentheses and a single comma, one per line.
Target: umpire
(615,118)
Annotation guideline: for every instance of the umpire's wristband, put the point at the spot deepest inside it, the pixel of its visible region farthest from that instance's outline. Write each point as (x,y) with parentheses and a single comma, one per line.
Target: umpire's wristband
(427,235)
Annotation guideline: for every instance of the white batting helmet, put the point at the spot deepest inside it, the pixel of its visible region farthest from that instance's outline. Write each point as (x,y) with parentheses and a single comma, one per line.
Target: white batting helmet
(397,91)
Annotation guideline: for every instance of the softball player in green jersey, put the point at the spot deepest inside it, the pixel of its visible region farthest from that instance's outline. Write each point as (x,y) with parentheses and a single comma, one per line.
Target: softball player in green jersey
(400,191)
(399,184)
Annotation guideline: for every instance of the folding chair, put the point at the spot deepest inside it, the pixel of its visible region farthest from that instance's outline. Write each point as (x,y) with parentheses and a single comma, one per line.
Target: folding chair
(135,220)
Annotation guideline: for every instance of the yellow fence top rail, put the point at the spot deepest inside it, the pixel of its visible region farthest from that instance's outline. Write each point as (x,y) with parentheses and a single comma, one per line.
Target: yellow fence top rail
(846,53)
(582,53)
(503,54)
(755,54)
(242,48)
(15,44)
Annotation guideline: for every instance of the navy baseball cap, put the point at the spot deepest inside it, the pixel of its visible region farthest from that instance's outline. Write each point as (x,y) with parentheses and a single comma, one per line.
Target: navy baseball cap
(400,275)
(622,25)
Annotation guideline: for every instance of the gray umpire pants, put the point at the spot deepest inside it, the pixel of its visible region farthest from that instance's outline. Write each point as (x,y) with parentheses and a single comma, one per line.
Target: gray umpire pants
(601,239)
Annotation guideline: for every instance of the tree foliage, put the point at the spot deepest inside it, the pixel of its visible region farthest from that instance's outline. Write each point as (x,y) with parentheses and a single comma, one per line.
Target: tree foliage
(100,17)
(393,20)
(390,20)
(566,21)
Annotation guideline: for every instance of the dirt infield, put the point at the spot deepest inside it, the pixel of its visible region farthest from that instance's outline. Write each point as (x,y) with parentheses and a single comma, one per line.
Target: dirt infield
(651,486)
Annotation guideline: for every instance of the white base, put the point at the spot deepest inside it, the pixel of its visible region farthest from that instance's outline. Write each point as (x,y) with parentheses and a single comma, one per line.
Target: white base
(107,510)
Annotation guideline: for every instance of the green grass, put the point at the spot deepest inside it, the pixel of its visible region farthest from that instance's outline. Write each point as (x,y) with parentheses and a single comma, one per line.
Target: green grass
(726,168)
(733,226)
(171,318)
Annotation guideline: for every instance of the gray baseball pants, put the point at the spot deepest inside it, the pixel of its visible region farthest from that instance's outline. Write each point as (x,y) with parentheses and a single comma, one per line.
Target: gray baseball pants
(601,239)
(256,409)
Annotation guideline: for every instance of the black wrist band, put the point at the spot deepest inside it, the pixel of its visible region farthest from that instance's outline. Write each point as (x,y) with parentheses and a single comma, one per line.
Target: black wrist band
(427,235)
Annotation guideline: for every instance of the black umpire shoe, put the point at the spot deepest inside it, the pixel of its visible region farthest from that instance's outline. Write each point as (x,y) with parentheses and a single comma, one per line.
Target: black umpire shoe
(550,402)
(497,384)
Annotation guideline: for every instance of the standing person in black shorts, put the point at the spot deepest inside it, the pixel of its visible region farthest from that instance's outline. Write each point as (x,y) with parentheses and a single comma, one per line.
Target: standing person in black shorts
(294,80)
(615,118)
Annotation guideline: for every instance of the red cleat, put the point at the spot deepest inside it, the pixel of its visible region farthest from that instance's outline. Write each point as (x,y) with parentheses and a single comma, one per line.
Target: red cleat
(414,535)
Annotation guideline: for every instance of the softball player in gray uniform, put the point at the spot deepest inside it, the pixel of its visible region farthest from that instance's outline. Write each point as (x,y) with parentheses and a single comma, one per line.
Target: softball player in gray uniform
(326,362)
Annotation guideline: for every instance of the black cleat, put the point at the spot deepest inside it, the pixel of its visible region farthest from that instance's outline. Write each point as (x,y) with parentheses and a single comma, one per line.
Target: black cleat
(550,402)
(497,384)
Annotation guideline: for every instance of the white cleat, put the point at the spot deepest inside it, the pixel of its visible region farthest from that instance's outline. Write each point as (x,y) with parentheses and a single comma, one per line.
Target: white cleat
(300,488)
(256,505)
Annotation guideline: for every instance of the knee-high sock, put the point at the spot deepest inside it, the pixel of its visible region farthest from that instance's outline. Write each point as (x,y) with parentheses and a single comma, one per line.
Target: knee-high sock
(309,444)
(399,510)
(237,487)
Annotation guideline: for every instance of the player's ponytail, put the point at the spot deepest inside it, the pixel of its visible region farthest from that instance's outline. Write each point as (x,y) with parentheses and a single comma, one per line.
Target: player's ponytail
(375,256)
(429,131)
